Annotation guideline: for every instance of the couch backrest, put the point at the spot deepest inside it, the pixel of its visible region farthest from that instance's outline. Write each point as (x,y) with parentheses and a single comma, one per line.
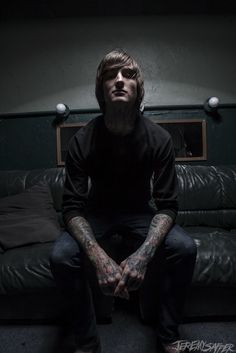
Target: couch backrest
(207,194)
(15,181)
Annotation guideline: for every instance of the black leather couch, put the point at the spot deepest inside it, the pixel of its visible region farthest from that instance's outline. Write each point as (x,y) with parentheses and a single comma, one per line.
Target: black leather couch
(207,211)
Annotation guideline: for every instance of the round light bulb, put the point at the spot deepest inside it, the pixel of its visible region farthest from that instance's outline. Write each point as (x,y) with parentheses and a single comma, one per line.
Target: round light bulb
(61,108)
(213,102)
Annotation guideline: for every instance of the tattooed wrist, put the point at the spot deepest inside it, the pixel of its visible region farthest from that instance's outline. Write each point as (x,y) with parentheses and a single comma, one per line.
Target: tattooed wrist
(82,232)
(159,227)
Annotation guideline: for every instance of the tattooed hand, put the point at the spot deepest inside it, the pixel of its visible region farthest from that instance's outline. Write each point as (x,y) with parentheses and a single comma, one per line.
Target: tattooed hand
(135,266)
(109,274)
(134,269)
(108,271)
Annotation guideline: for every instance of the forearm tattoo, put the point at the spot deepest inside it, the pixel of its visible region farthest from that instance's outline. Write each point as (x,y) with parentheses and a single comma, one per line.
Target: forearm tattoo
(82,232)
(159,227)
(108,272)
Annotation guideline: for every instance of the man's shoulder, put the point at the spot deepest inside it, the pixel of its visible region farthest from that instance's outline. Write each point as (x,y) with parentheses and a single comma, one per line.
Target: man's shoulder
(91,124)
(88,127)
(155,129)
(83,137)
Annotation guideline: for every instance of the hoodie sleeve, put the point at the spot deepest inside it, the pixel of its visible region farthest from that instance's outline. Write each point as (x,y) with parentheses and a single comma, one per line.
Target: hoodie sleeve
(76,182)
(165,188)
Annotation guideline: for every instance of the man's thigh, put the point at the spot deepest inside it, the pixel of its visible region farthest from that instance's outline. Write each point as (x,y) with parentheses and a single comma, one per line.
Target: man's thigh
(101,223)
(135,229)
(178,243)
(118,232)
(137,223)
(106,222)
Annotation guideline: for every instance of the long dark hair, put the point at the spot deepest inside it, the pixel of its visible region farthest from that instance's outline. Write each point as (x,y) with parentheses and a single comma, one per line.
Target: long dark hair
(118,58)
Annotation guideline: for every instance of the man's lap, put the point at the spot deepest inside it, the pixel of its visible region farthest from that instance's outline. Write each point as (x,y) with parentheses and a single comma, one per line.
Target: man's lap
(127,231)
(105,224)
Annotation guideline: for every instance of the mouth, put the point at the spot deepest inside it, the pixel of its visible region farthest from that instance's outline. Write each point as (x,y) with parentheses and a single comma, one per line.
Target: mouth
(119,92)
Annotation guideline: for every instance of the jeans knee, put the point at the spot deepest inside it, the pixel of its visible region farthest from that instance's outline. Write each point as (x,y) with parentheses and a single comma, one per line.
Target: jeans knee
(182,245)
(57,258)
(189,249)
(65,254)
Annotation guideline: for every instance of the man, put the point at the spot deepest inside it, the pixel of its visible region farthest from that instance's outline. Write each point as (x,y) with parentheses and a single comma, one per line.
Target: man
(120,151)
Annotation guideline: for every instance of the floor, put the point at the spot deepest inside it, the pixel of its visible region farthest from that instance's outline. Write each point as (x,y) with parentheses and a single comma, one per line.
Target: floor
(125,335)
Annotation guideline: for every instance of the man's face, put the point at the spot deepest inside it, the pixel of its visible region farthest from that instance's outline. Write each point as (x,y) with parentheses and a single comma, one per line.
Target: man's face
(120,85)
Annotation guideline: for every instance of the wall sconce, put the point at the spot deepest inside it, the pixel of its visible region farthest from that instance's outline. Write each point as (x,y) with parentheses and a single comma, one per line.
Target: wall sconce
(62,110)
(211,104)
(62,113)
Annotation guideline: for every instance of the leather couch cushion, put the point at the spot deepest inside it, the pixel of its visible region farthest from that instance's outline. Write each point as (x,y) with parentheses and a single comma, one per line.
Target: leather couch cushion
(28,218)
(26,269)
(216,261)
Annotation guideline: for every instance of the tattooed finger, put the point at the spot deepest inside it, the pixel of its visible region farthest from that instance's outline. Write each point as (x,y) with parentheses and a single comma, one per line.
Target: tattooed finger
(124,294)
(134,283)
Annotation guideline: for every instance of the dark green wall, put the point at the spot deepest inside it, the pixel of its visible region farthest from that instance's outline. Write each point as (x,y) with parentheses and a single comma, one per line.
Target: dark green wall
(29,141)
(185,59)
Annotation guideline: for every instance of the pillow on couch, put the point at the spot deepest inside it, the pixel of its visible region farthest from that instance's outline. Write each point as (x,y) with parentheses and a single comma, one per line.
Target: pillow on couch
(28,217)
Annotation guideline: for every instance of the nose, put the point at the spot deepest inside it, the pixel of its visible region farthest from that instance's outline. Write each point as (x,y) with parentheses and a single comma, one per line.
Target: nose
(119,76)
(119,81)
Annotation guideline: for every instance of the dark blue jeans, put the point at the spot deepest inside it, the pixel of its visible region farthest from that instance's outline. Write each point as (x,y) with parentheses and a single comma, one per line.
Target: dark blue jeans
(172,268)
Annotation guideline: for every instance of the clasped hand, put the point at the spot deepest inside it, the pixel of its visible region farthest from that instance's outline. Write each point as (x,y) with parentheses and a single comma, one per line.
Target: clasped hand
(118,280)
